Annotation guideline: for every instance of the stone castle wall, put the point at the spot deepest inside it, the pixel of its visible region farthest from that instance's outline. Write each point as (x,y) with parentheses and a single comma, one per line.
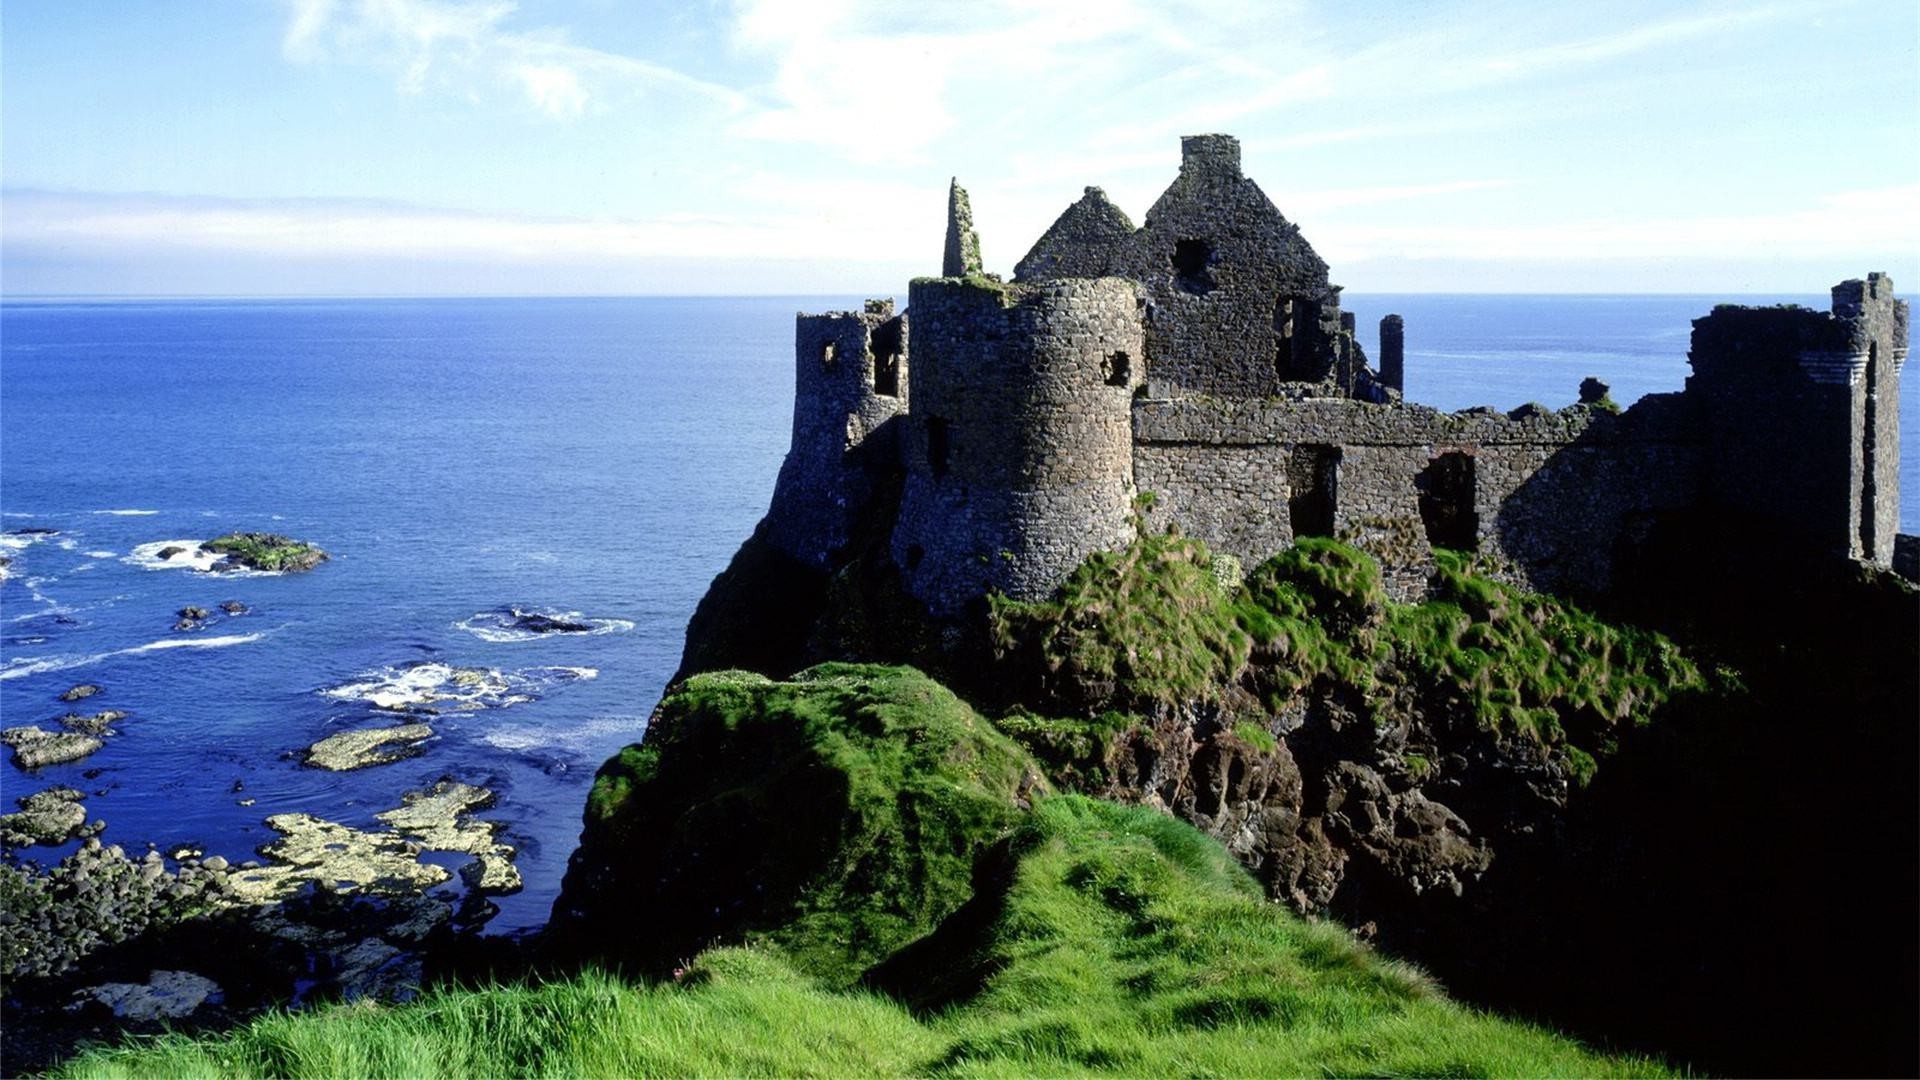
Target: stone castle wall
(1204,359)
(1018,452)
(850,382)
(1801,410)
(1542,492)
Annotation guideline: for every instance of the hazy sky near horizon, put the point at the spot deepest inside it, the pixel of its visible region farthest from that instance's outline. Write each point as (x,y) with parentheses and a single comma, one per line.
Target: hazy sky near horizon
(421,147)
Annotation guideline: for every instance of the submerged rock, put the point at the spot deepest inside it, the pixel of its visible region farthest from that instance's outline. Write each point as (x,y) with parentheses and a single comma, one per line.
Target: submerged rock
(233,607)
(75,693)
(193,612)
(53,816)
(170,551)
(538,623)
(437,817)
(360,749)
(35,747)
(335,857)
(166,995)
(100,723)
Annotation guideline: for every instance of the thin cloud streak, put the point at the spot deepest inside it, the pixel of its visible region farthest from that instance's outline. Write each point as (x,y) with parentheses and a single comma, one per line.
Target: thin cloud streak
(464,46)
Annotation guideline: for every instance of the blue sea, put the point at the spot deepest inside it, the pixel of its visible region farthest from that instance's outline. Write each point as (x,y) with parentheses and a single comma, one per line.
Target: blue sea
(597,459)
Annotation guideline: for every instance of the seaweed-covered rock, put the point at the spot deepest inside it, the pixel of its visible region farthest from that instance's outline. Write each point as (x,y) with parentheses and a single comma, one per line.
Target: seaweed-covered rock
(373,746)
(35,747)
(264,551)
(100,723)
(439,818)
(75,693)
(53,816)
(836,815)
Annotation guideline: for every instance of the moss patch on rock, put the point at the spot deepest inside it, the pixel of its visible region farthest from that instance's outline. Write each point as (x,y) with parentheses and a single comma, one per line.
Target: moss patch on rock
(266,551)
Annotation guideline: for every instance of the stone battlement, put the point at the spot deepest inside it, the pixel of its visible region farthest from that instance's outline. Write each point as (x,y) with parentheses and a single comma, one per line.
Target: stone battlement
(1203,357)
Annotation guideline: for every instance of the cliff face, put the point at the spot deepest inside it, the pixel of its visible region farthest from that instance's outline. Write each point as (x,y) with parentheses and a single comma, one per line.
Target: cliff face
(1492,782)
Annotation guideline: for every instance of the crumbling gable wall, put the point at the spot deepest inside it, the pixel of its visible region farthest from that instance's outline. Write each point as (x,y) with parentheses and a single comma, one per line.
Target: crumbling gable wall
(1093,238)
(1239,301)
(850,381)
(1018,453)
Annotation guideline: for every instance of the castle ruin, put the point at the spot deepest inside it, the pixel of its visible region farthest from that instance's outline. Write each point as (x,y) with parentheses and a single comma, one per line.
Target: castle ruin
(1197,372)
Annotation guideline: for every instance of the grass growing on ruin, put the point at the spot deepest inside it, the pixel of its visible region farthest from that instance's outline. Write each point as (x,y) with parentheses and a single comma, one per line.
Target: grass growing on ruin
(1526,662)
(1147,623)
(1153,624)
(1122,943)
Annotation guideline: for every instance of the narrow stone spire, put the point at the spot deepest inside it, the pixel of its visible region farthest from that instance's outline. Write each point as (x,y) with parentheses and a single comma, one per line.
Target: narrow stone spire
(963,247)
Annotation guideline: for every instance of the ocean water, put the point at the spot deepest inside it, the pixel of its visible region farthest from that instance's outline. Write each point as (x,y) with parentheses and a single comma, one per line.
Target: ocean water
(460,459)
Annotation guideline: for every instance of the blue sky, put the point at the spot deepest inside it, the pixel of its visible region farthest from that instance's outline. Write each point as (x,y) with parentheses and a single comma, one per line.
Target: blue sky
(414,147)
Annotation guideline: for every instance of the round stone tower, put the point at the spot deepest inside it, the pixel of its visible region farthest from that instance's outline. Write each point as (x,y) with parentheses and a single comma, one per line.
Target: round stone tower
(1019,451)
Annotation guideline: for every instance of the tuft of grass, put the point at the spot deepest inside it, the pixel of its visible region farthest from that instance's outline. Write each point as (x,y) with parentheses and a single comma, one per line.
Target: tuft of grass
(835,816)
(1119,941)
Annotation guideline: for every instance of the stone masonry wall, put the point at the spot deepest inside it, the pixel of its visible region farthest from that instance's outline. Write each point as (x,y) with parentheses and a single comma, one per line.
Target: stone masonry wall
(850,381)
(1801,411)
(1544,493)
(1237,296)
(1018,453)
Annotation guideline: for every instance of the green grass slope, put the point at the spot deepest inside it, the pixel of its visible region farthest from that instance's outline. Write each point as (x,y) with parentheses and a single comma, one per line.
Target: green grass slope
(1109,941)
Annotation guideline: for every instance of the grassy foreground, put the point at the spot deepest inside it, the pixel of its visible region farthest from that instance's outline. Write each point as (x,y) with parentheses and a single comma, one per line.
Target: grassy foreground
(1112,940)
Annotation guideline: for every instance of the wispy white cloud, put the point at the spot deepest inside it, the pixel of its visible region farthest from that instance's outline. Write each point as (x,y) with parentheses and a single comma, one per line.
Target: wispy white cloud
(466,46)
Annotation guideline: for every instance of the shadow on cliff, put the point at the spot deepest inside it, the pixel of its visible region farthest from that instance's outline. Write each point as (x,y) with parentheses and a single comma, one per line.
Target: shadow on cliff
(1738,888)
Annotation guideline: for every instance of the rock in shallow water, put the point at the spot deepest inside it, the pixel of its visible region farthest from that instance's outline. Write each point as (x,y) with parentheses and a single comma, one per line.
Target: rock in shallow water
(360,749)
(35,747)
(166,995)
(75,693)
(53,816)
(437,817)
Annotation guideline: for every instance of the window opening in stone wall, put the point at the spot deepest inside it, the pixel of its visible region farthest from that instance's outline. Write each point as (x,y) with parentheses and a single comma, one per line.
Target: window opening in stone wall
(1295,330)
(829,352)
(938,447)
(884,343)
(1190,259)
(1869,455)
(1445,487)
(1118,369)
(1311,477)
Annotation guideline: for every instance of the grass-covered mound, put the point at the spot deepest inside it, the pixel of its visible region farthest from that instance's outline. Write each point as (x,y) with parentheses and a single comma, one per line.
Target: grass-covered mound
(836,815)
(1156,624)
(1113,941)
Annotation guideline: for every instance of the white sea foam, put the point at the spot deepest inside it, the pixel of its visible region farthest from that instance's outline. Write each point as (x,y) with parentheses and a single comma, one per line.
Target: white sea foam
(127,513)
(429,686)
(103,554)
(576,738)
(20,667)
(193,557)
(506,624)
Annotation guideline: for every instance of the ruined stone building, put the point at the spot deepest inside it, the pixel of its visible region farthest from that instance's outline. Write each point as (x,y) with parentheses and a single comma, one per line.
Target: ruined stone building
(1198,369)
